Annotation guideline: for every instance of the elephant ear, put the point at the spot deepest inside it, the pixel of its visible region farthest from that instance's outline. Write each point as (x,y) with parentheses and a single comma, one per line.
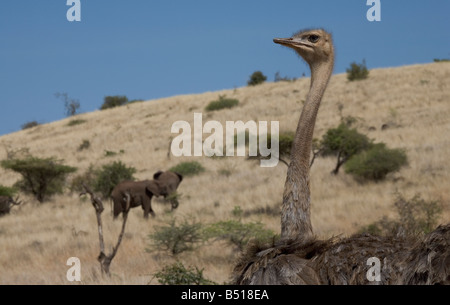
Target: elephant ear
(179,176)
(153,188)
(157,174)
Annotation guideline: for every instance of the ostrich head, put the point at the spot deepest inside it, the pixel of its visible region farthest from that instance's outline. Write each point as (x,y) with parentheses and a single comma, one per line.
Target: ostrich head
(314,46)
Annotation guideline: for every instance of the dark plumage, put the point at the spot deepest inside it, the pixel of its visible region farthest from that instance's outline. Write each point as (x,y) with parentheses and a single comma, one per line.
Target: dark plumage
(299,257)
(409,260)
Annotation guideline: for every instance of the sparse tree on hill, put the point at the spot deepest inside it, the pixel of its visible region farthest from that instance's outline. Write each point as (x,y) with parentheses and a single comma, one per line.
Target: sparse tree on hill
(40,177)
(71,106)
(343,142)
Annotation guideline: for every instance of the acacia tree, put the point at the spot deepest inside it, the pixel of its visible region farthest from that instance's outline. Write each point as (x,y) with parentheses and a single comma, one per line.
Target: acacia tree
(40,177)
(343,142)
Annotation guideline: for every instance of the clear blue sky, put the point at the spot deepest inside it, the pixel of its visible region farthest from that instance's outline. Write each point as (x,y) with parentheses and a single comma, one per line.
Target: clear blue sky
(147,49)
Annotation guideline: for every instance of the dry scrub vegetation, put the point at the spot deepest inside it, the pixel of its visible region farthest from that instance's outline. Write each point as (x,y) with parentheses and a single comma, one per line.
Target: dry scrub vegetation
(413,102)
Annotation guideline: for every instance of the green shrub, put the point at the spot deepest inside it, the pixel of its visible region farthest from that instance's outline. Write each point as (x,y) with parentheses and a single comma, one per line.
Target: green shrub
(109,153)
(441,60)
(376,162)
(7,191)
(414,216)
(222,103)
(237,233)
(285,143)
(237,212)
(357,71)
(285,140)
(343,142)
(84,145)
(110,175)
(188,168)
(178,274)
(114,101)
(40,177)
(76,122)
(29,125)
(176,238)
(256,78)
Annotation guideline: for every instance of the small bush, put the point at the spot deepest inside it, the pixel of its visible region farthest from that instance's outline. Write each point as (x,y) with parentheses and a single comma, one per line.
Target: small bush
(285,143)
(237,212)
(237,233)
(114,101)
(376,162)
(266,210)
(84,145)
(109,153)
(7,191)
(176,238)
(29,125)
(285,140)
(225,172)
(76,122)
(257,78)
(110,175)
(222,103)
(414,216)
(188,168)
(357,71)
(441,60)
(40,177)
(178,274)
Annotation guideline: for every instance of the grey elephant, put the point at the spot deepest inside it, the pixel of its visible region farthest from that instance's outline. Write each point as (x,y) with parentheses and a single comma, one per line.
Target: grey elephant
(6,202)
(163,184)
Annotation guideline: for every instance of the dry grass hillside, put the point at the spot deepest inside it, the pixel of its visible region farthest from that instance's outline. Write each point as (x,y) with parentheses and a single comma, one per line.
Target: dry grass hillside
(36,240)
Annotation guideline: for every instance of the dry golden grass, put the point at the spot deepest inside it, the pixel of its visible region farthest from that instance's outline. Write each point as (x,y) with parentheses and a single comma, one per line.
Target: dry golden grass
(36,240)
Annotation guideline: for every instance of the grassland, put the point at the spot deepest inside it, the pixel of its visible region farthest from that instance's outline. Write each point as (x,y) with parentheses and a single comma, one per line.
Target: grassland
(36,240)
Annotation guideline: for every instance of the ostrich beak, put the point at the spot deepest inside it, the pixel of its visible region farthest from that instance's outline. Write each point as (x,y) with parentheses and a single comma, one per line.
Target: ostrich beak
(284,41)
(291,42)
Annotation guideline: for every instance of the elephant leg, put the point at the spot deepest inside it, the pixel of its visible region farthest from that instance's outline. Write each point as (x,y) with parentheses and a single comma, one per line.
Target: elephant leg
(147,206)
(117,208)
(150,211)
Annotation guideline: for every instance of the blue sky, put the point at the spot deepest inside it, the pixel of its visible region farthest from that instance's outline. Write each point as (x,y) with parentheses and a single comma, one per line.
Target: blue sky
(148,49)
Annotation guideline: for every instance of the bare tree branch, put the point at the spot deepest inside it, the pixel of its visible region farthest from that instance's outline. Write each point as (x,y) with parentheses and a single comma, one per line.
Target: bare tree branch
(105,260)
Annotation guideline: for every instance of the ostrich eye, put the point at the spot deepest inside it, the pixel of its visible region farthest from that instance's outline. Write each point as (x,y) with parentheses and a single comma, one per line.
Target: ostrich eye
(313,38)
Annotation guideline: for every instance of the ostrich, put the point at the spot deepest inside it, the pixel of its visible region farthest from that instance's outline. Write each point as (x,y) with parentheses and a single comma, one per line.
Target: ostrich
(299,257)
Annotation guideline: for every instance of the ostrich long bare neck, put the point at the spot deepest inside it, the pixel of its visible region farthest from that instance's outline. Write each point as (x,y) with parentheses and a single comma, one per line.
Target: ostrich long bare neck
(295,211)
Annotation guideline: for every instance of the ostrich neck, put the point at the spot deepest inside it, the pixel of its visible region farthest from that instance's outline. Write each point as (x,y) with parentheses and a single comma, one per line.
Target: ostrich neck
(295,211)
